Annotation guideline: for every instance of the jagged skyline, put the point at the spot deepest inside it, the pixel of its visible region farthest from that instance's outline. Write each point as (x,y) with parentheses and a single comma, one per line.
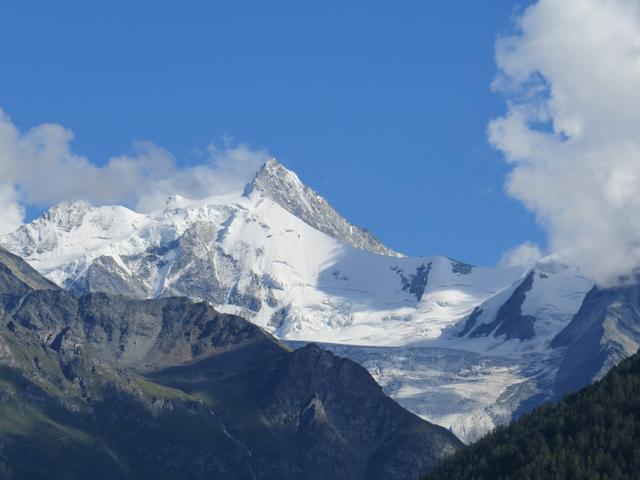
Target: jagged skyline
(381,110)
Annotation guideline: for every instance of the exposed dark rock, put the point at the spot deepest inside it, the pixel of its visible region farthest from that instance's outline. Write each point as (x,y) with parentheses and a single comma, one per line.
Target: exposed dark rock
(470,322)
(461,267)
(18,278)
(107,387)
(605,331)
(105,275)
(509,320)
(285,188)
(416,283)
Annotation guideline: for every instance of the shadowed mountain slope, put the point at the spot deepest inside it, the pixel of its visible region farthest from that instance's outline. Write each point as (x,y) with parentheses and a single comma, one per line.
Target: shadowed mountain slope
(106,387)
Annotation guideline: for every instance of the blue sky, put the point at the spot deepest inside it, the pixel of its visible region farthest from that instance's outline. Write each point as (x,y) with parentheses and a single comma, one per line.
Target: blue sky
(380,106)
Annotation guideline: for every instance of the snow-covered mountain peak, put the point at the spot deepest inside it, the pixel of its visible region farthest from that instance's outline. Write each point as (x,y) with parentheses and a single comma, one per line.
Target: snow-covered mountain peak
(273,174)
(285,188)
(459,344)
(68,214)
(175,201)
(81,215)
(554,263)
(71,230)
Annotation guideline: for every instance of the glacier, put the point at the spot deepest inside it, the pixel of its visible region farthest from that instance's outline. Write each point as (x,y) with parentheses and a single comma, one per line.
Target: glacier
(462,346)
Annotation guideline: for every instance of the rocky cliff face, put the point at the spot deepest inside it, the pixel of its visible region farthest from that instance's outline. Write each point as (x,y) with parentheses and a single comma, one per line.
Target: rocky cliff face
(107,387)
(605,331)
(278,255)
(248,255)
(285,188)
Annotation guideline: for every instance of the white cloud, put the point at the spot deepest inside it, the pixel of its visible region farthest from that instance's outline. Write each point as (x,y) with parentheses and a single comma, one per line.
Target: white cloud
(12,212)
(571,76)
(38,167)
(526,255)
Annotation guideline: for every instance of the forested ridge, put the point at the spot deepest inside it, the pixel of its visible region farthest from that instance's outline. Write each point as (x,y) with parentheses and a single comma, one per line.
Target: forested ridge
(592,434)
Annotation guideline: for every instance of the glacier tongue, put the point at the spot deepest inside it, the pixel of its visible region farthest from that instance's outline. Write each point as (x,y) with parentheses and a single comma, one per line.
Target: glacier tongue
(469,393)
(281,256)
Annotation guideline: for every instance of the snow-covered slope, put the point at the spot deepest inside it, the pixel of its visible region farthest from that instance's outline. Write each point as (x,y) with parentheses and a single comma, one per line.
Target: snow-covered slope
(285,188)
(248,253)
(462,346)
(532,311)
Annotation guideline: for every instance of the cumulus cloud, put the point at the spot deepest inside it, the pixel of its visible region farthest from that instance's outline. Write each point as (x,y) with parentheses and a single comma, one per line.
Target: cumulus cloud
(526,255)
(38,167)
(571,77)
(12,212)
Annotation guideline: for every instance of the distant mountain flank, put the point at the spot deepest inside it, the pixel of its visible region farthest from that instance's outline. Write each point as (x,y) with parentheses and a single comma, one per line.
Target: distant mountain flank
(276,253)
(463,346)
(107,387)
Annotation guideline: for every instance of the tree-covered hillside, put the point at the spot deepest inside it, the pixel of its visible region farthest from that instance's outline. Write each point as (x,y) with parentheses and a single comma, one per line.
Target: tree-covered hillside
(592,434)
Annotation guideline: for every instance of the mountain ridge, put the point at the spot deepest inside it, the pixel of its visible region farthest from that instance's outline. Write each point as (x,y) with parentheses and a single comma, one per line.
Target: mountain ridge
(169,388)
(285,188)
(253,256)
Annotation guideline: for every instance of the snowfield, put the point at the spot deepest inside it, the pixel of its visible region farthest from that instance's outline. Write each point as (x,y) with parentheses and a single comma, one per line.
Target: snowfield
(279,255)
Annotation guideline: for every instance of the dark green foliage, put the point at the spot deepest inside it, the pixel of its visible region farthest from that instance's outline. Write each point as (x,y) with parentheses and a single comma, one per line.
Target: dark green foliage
(592,434)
